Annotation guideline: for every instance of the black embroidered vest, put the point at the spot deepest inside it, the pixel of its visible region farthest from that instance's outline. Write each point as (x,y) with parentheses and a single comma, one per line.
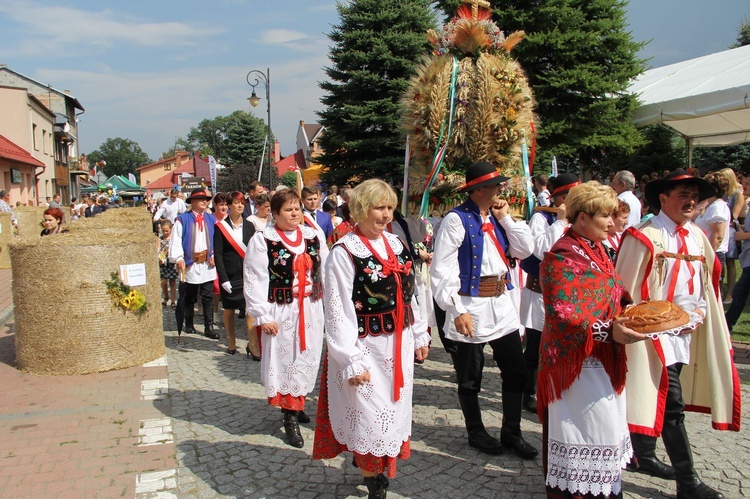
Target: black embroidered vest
(281,274)
(374,295)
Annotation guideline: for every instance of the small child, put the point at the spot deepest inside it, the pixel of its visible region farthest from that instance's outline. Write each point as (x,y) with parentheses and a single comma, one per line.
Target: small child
(167,270)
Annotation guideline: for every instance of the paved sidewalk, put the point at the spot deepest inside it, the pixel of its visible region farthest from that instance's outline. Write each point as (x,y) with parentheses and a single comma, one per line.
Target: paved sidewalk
(81,436)
(6,296)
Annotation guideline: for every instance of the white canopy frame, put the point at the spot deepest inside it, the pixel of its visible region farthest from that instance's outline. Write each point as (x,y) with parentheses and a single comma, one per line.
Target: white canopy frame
(705,100)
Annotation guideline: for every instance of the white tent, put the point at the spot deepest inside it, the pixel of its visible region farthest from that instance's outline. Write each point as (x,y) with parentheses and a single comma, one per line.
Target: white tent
(705,100)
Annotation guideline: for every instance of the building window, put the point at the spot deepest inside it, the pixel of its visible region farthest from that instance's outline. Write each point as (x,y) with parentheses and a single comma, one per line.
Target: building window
(44,141)
(167,167)
(33,137)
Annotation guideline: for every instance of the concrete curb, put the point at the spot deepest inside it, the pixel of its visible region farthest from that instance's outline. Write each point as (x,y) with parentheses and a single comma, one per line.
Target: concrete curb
(6,316)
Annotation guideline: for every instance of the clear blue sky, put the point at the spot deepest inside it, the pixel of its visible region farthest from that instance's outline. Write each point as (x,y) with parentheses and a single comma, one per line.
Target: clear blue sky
(149,70)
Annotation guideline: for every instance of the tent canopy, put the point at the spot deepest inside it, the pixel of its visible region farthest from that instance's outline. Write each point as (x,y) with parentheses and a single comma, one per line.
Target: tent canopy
(124,187)
(706,100)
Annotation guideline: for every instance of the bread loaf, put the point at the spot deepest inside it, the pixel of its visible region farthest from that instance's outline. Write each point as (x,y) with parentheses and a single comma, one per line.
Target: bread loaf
(655,316)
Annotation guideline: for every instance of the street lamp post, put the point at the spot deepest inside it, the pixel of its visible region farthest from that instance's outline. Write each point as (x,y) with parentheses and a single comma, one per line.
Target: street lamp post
(255,78)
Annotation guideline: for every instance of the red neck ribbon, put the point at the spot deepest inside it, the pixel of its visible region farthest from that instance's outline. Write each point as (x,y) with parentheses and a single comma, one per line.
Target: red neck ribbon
(489,228)
(301,265)
(681,232)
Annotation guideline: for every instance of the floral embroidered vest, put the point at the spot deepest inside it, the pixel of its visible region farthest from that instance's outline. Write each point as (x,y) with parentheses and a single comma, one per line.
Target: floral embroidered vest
(281,274)
(374,294)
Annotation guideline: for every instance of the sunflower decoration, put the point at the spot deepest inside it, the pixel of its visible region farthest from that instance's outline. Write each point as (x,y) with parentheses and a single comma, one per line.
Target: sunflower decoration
(124,297)
(469,101)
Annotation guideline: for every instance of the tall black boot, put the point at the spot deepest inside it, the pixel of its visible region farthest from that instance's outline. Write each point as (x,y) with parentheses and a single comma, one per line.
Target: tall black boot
(208,322)
(645,460)
(510,436)
(291,427)
(529,393)
(689,486)
(376,486)
(189,314)
(478,436)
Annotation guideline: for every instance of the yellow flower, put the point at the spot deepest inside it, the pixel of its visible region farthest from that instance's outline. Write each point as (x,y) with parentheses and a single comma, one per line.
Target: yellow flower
(132,294)
(138,301)
(126,302)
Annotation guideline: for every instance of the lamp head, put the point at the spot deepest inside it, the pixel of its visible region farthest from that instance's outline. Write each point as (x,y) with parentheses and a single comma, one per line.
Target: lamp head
(254,99)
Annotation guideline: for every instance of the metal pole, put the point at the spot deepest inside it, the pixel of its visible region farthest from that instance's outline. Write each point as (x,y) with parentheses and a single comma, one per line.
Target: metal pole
(260,76)
(271,145)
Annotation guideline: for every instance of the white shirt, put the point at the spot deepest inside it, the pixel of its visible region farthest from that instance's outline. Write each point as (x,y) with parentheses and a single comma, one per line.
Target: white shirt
(634,217)
(531,310)
(677,348)
(235,232)
(716,212)
(198,273)
(493,317)
(552,234)
(258,223)
(5,207)
(543,198)
(170,209)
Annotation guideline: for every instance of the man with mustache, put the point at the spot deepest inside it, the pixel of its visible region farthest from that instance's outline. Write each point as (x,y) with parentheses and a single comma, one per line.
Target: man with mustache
(669,258)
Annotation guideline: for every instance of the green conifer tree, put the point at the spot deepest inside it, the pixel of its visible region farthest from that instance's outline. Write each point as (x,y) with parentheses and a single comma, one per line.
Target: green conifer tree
(375,47)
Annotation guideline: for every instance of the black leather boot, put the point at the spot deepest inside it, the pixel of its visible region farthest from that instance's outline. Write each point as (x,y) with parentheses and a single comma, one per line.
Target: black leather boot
(510,435)
(478,436)
(645,460)
(529,393)
(291,427)
(302,417)
(689,486)
(208,322)
(189,314)
(376,486)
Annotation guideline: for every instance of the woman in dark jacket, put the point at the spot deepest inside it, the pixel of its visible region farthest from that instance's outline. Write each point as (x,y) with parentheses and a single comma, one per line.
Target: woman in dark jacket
(230,244)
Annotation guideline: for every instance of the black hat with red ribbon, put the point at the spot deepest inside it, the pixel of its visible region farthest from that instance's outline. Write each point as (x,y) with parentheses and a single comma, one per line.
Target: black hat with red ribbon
(199,193)
(563,183)
(679,176)
(481,174)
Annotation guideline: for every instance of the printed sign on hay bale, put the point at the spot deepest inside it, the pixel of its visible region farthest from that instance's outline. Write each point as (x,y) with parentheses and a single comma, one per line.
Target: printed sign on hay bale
(66,322)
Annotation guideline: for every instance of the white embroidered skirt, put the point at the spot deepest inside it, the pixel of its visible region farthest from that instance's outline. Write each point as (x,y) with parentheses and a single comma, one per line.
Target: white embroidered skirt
(588,438)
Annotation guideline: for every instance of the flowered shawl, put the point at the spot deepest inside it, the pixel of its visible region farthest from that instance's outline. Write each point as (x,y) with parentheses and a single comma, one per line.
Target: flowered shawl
(580,303)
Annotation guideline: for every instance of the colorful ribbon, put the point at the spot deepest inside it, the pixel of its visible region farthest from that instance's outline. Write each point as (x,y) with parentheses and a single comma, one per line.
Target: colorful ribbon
(527,174)
(437,159)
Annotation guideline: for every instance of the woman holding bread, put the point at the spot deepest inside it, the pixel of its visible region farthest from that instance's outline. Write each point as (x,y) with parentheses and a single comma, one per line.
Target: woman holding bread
(580,394)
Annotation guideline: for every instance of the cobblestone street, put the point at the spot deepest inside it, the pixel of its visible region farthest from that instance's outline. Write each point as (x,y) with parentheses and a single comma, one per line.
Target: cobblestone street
(231,443)
(195,423)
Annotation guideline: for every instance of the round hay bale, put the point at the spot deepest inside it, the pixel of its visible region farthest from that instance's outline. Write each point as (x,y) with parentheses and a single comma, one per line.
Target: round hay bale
(29,221)
(134,219)
(66,321)
(6,236)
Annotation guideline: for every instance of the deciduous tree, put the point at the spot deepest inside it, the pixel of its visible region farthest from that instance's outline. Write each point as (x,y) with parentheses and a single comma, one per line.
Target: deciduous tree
(122,156)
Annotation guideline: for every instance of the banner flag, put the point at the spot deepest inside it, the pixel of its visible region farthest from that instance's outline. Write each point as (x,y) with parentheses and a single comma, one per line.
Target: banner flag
(554,166)
(212,170)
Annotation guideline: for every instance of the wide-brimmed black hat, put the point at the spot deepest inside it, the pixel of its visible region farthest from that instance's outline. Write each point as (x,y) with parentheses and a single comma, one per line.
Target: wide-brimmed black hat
(679,176)
(563,183)
(481,174)
(199,193)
